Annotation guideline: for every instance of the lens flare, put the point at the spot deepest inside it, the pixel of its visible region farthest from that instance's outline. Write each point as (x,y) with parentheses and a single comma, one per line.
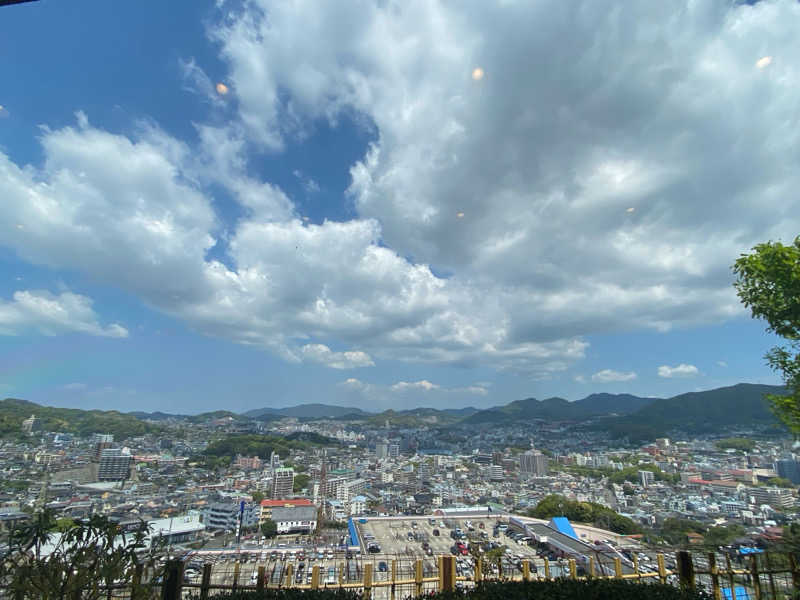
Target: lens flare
(764,62)
(222,89)
(477,73)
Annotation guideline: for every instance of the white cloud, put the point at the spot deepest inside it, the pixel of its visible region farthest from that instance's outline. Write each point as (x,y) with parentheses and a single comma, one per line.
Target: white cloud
(722,364)
(681,370)
(75,387)
(580,378)
(131,213)
(403,394)
(320,353)
(517,184)
(422,385)
(48,314)
(539,159)
(610,376)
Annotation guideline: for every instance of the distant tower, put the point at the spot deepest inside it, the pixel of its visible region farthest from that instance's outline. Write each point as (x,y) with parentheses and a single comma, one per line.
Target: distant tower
(323,484)
(42,499)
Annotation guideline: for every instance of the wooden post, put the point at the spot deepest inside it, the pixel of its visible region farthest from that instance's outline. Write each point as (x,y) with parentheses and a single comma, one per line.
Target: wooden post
(262,578)
(173,581)
(447,574)
(795,571)
(418,575)
(756,576)
(341,573)
(731,580)
(617,568)
(526,570)
(136,582)
(367,581)
(394,578)
(773,593)
(573,572)
(206,581)
(712,567)
(636,565)
(478,570)
(662,571)
(288,577)
(547,569)
(236,568)
(685,570)
(591,571)
(315,577)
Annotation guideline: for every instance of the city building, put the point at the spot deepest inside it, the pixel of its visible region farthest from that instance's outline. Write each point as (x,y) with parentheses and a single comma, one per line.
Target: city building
(773,496)
(248,462)
(267,506)
(381,450)
(177,530)
(295,519)
(534,463)
(225,515)
(282,483)
(646,478)
(114,465)
(788,468)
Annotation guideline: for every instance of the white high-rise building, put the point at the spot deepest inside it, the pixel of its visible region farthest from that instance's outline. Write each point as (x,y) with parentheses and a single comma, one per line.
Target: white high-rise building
(282,483)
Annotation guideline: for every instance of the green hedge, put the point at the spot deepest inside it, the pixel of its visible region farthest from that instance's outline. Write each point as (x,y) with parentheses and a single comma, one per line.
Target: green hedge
(565,589)
(287,594)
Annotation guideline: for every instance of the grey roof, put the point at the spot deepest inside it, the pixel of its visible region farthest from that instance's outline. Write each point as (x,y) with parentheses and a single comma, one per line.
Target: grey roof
(294,513)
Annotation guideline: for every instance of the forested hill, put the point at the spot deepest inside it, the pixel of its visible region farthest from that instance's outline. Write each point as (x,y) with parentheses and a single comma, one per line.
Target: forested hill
(71,420)
(710,411)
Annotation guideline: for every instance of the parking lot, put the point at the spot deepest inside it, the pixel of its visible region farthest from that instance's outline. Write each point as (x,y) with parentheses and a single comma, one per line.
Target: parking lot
(406,538)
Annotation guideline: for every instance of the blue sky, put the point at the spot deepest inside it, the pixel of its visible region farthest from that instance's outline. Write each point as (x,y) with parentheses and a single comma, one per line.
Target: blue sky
(235,205)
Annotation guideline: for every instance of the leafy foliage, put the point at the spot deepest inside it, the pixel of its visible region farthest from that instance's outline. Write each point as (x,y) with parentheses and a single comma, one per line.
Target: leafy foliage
(768,283)
(743,444)
(288,594)
(82,562)
(565,589)
(261,445)
(269,528)
(300,482)
(584,512)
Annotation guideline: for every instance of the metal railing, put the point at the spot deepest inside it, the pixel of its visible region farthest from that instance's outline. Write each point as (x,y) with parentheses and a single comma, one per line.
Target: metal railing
(760,576)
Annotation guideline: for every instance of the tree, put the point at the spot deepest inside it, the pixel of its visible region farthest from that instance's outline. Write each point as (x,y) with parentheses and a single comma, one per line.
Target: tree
(300,482)
(768,283)
(258,496)
(74,564)
(269,528)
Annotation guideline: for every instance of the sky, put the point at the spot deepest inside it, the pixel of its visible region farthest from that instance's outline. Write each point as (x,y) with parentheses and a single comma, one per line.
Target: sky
(387,204)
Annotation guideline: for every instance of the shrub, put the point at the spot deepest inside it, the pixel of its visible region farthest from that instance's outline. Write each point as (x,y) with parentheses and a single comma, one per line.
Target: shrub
(287,594)
(565,589)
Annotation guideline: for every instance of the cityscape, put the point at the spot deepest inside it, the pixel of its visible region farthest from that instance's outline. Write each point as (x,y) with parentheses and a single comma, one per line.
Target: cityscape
(341,489)
(399,300)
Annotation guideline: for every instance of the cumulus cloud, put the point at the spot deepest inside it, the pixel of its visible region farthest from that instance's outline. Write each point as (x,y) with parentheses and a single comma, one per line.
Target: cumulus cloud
(681,370)
(49,314)
(610,376)
(132,212)
(423,385)
(565,201)
(518,184)
(320,353)
(416,393)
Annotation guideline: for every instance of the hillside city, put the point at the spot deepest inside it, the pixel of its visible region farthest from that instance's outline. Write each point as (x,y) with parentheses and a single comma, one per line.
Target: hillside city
(225,481)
